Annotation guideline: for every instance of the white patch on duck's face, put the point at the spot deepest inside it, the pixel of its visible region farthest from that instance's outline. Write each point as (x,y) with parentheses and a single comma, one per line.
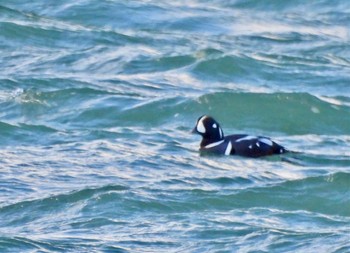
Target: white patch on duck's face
(214,125)
(200,125)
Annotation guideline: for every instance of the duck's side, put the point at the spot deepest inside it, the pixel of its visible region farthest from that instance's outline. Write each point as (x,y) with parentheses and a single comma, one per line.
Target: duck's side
(244,145)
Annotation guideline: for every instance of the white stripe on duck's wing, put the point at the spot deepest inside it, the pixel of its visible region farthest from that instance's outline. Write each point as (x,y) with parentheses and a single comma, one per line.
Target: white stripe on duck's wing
(247,138)
(265,141)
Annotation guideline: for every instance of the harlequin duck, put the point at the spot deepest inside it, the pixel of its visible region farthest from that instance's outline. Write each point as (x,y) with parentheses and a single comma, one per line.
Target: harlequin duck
(215,142)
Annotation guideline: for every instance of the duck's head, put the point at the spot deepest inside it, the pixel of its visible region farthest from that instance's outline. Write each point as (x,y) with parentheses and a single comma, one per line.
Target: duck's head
(209,129)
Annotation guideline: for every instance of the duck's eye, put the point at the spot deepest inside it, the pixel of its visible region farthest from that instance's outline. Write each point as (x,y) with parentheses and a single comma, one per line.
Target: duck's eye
(214,125)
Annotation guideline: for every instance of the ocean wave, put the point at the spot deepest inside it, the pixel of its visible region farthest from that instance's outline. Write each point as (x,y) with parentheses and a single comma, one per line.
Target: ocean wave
(321,194)
(292,113)
(56,202)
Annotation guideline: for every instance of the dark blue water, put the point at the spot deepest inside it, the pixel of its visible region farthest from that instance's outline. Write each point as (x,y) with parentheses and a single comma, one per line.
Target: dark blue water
(97,100)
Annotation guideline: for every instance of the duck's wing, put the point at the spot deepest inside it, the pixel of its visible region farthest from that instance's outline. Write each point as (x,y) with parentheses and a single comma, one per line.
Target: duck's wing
(254,146)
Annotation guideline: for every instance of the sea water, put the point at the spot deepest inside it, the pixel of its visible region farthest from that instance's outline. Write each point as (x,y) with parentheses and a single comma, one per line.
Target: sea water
(97,101)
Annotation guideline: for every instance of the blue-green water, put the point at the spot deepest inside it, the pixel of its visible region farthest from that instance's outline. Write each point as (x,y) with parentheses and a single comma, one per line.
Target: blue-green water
(97,99)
